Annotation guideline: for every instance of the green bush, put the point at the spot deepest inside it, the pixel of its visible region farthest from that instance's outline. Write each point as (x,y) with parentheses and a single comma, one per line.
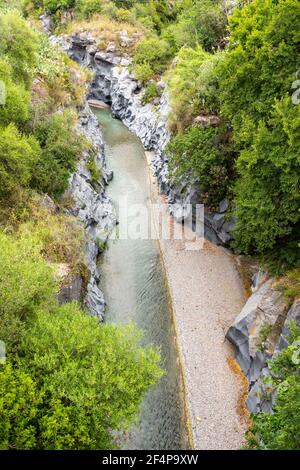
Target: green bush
(267,195)
(18,155)
(93,377)
(266,127)
(200,155)
(26,283)
(281,429)
(152,91)
(193,85)
(89,7)
(55,5)
(94,170)
(18,43)
(16,98)
(200,23)
(261,63)
(19,401)
(61,149)
(154,14)
(153,53)
(143,72)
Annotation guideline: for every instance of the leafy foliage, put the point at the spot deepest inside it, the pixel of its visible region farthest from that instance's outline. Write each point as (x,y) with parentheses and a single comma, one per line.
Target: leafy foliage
(93,381)
(193,85)
(26,283)
(151,55)
(152,91)
(17,417)
(200,155)
(18,154)
(18,44)
(61,148)
(281,430)
(265,37)
(200,23)
(16,98)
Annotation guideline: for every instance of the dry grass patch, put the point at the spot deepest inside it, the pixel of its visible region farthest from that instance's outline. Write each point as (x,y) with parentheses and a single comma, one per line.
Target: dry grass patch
(106,30)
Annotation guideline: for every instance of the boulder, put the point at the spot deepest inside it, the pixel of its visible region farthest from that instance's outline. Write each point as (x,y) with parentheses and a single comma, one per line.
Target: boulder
(256,329)
(293,315)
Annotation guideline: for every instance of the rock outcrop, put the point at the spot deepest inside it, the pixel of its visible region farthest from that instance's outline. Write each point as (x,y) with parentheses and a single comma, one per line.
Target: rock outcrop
(115,85)
(93,208)
(260,331)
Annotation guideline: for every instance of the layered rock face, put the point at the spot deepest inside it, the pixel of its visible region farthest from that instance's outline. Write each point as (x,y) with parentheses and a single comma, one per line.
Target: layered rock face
(259,332)
(115,85)
(92,207)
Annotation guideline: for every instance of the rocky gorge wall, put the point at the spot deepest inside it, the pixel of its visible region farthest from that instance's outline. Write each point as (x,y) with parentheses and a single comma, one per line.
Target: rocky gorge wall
(115,85)
(261,328)
(92,207)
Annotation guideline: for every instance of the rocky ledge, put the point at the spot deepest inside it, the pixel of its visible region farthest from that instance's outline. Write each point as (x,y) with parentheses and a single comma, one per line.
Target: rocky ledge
(115,85)
(259,332)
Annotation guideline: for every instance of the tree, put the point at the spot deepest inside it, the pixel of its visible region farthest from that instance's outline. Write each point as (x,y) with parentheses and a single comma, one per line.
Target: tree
(199,155)
(16,98)
(256,79)
(202,22)
(193,85)
(18,43)
(93,377)
(61,147)
(26,283)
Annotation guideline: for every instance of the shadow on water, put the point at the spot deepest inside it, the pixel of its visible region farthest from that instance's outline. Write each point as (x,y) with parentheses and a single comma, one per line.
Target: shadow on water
(134,285)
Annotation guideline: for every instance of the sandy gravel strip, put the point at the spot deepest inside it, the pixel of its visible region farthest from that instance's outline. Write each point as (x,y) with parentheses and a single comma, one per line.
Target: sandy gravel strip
(207,294)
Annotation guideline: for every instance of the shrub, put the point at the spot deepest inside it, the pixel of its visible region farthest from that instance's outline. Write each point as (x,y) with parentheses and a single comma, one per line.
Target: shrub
(55,5)
(152,91)
(94,377)
(94,170)
(16,98)
(89,7)
(143,72)
(154,14)
(59,236)
(26,283)
(265,37)
(60,81)
(267,195)
(18,43)
(201,22)
(281,430)
(200,155)
(153,52)
(19,401)
(193,85)
(18,155)
(61,148)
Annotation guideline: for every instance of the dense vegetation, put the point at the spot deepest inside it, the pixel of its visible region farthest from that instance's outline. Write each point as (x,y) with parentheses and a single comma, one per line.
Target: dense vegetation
(67,381)
(281,430)
(231,74)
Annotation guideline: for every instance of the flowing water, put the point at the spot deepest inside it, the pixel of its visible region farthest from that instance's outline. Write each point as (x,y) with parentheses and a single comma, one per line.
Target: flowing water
(134,285)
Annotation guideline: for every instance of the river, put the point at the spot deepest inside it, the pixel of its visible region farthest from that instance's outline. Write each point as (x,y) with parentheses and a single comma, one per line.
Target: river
(135,289)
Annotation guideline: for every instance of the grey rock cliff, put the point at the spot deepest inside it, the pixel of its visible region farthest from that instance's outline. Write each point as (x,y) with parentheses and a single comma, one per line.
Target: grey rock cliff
(92,207)
(260,331)
(115,85)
